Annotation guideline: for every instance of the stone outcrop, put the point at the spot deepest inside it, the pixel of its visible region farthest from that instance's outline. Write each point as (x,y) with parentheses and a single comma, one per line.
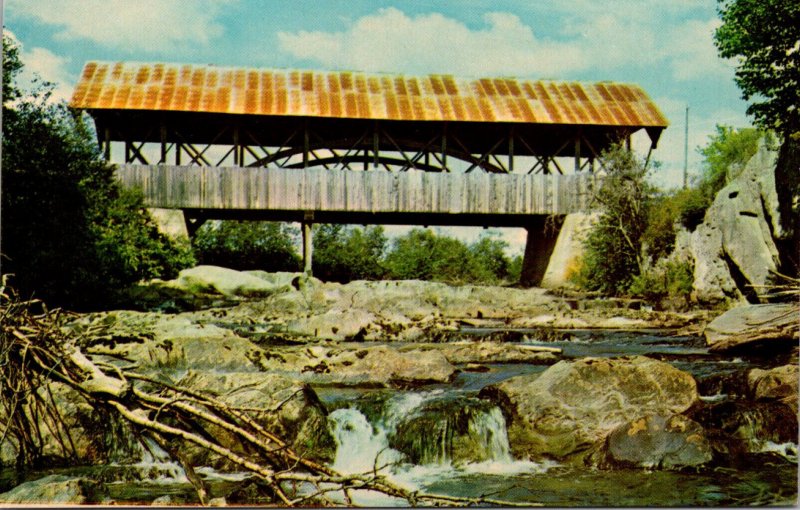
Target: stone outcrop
(755,326)
(281,404)
(735,245)
(653,441)
(779,383)
(55,490)
(358,365)
(575,405)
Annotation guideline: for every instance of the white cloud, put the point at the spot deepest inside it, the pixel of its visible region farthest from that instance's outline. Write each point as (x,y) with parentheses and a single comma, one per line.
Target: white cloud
(636,34)
(390,40)
(693,54)
(149,25)
(43,63)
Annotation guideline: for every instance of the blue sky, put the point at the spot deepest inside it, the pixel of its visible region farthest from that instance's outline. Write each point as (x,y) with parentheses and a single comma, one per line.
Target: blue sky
(665,46)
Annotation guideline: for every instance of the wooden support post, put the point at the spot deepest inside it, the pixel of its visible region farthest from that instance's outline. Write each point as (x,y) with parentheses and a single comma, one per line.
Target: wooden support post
(308,242)
(163,159)
(237,154)
(511,149)
(107,144)
(444,147)
(578,153)
(376,139)
(306,143)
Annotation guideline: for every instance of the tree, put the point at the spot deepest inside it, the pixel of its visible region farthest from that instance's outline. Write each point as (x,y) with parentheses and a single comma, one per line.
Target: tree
(725,156)
(613,254)
(244,245)
(344,253)
(764,35)
(489,253)
(70,234)
(423,255)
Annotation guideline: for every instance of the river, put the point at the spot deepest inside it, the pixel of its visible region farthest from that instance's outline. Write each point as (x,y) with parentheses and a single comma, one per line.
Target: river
(434,425)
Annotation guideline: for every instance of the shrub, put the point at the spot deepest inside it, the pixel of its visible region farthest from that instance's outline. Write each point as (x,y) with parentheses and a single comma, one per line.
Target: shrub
(423,255)
(244,245)
(672,279)
(346,253)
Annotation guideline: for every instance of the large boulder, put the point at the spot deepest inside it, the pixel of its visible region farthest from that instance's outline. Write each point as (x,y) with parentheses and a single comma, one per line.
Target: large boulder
(55,490)
(735,245)
(779,383)
(574,405)
(653,441)
(754,326)
(284,406)
(226,281)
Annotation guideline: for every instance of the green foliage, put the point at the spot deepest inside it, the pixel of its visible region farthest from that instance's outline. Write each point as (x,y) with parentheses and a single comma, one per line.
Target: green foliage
(70,234)
(672,279)
(763,36)
(612,249)
(489,253)
(244,245)
(345,253)
(725,156)
(423,255)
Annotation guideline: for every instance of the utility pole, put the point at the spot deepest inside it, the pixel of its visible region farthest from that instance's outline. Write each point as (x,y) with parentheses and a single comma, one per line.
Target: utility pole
(686,150)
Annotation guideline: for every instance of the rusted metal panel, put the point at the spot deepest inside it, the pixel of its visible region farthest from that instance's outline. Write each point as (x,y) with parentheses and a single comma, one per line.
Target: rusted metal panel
(170,87)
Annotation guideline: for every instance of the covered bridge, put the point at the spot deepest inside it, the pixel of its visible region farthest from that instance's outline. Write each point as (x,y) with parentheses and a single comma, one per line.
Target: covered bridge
(310,146)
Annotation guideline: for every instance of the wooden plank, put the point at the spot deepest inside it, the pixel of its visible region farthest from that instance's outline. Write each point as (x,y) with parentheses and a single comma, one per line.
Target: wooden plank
(376,191)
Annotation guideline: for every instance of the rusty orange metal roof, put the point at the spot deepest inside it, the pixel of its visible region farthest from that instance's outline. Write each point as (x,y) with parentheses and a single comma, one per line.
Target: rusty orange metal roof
(341,94)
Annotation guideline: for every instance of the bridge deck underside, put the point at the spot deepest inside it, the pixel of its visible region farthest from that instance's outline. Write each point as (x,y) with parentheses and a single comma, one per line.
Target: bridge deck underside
(358,197)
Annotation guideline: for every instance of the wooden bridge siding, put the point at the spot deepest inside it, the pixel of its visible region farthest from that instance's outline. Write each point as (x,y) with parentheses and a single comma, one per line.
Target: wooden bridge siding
(316,189)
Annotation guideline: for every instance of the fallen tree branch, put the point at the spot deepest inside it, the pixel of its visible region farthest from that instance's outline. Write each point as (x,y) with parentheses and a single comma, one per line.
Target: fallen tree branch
(35,353)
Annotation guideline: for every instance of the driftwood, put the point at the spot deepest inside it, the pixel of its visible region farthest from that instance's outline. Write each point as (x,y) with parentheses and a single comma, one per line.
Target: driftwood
(35,352)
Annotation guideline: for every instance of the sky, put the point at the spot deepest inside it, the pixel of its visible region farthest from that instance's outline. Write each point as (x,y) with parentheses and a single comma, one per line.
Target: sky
(665,46)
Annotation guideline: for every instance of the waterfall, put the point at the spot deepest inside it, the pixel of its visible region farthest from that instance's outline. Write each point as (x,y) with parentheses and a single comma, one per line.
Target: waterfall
(360,447)
(430,430)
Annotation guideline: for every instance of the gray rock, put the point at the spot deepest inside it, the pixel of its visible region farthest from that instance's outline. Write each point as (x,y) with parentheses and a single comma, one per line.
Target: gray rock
(655,441)
(752,325)
(736,238)
(55,489)
(575,405)
(281,404)
(358,365)
(460,353)
(225,281)
(779,383)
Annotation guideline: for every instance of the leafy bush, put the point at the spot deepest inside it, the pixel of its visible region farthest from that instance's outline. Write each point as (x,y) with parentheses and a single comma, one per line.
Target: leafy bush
(70,234)
(423,255)
(725,156)
(346,253)
(612,248)
(489,253)
(672,279)
(244,245)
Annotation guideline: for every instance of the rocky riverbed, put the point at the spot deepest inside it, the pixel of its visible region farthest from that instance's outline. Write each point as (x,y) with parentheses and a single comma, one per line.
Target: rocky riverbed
(438,375)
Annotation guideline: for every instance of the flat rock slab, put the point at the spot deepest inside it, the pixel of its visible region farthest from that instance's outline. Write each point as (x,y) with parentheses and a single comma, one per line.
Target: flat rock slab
(459,353)
(358,365)
(739,327)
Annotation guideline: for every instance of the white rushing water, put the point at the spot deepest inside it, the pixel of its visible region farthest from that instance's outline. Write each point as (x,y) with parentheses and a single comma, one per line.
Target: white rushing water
(363,447)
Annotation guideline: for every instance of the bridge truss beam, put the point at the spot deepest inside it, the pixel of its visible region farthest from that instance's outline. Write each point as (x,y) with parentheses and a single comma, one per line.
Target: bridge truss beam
(355,145)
